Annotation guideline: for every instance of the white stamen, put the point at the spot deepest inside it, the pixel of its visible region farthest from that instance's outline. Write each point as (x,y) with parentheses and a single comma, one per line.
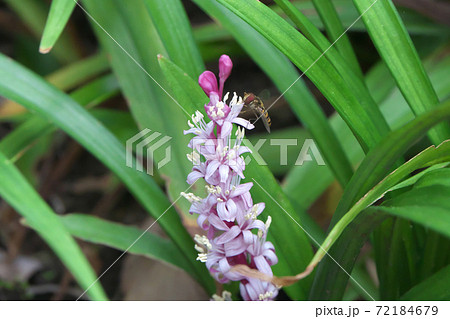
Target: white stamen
(268,222)
(202,257)
(226,296)
(193,157)
(213,189)
(225,98)
(265,296)
(191,197)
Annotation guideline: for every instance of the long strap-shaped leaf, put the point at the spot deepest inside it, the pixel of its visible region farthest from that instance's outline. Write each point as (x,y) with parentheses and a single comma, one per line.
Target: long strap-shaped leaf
(15,190)
(30,90)
(175,32)
(284,76)
(142,82)
(33,14)
(377,161)
(115,235)
(397,50)
(308,59)
(58,16)
(342,65)
(335,31)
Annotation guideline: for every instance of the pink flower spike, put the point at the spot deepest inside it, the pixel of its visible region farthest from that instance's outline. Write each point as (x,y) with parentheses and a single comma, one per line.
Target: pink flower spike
(225,66)
(208,82)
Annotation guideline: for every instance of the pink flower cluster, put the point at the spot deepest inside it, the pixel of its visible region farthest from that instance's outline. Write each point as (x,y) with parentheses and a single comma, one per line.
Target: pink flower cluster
(227,214)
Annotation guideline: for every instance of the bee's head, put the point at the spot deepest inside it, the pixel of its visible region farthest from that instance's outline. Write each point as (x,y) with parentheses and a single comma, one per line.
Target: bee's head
(248,97)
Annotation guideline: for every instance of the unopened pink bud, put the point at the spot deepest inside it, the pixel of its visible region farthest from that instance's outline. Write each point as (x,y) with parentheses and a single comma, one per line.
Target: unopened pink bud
(225,66)
(208,82)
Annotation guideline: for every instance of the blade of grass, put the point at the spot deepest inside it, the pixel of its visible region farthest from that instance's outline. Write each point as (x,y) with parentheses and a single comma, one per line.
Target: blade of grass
(30,90)
(16,191)
(396,111)
(174,29)
(392,41)
(352,78)
(59,14)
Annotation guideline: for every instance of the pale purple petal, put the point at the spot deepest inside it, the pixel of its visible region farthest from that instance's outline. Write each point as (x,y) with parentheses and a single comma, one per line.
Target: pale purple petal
(194,176)
(244,123)
(271,257)
(211,168)
(229,235)
(241,189)
(217,222)
(262,265)
(232,209)
(235,247)
(226,129)
(223,171)
(244,292)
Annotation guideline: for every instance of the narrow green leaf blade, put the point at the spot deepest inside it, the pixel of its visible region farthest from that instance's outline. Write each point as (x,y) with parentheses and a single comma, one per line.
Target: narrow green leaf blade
(284,76)
(118,236)
(433,288)
(15,190)
(392,41)
(308,59)
(58,16)
(175,32)
(30,90)
(336,33)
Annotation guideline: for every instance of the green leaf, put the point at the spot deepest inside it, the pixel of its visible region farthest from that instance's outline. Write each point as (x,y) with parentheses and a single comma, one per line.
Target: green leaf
(433,288)
(336,33)
(66,78)
(392,105)
(307,58)
(58,16)
(30,90)
(180,82)
(144,85)
(331,281)
(121,237)
(377,163)
(354,79)
(33,14)
(16,191)
(174,29)
(25,135)
(392,41)
(284,75)
(426,205)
